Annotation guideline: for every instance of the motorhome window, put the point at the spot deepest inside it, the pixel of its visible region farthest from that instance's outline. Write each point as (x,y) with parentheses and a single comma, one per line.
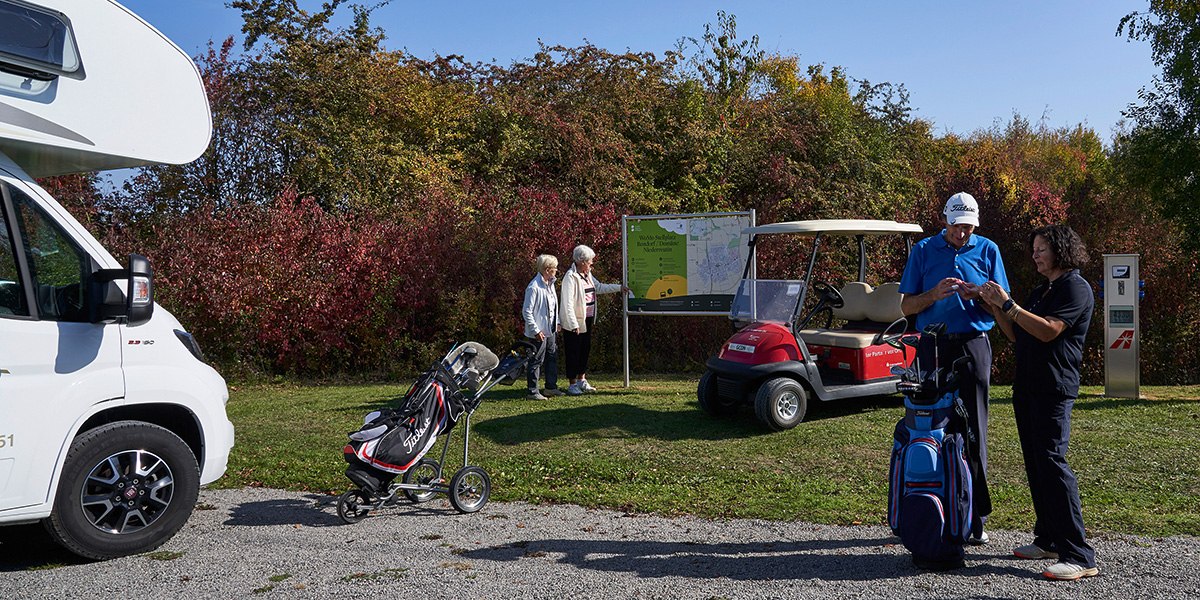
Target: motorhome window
(35,43)
(12,291)
(58,267)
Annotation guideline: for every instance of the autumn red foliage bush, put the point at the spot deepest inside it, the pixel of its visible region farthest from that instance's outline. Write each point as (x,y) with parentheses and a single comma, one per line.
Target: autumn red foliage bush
(291,287)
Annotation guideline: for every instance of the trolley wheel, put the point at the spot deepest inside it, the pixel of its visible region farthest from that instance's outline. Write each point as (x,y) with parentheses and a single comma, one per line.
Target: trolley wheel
(469,489)
(710,401)
(427,472)
(352,505)
(781,403)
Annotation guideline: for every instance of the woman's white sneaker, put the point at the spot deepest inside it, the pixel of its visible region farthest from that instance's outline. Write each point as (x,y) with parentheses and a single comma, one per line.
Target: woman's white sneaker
(585,386)
(1065,571)
(574,389)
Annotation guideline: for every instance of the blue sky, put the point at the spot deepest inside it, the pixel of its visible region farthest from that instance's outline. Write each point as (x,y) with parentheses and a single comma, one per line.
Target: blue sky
(967,65)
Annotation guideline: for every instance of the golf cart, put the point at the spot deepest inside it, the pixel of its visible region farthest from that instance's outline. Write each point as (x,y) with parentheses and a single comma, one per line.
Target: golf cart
(779,357)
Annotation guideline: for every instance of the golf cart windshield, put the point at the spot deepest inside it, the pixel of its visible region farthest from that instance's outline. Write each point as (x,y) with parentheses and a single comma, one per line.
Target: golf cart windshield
(769,300)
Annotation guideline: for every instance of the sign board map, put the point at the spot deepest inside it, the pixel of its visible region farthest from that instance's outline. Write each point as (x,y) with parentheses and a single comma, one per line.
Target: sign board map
(685,263)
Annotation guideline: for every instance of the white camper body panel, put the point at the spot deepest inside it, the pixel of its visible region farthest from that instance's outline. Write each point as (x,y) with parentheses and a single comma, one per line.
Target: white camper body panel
(137,100)
(110,418)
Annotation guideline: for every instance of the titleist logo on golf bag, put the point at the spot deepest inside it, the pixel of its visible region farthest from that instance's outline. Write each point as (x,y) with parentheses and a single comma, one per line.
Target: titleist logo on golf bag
(414,438)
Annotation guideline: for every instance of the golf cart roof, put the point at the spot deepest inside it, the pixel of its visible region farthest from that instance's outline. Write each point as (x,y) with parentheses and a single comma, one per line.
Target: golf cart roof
(836,227)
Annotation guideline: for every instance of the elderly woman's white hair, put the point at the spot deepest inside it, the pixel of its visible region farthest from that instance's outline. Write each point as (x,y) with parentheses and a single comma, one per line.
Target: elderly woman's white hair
(543,262)
(582,254)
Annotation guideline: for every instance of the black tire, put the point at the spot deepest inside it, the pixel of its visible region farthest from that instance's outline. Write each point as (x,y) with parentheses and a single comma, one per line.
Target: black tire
(781,403)
(353,505)
(710,401)
(427,472)
(469,489)
(148,469)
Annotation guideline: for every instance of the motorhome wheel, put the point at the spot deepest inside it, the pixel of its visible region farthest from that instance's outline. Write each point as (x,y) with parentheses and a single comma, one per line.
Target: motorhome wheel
(126,488)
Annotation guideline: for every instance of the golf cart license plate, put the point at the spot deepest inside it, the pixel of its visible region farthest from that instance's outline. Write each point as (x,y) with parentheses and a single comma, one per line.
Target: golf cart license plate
(742,348)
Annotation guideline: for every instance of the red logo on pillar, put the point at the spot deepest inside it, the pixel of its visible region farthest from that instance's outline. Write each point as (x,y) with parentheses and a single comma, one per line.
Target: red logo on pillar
(1123,341)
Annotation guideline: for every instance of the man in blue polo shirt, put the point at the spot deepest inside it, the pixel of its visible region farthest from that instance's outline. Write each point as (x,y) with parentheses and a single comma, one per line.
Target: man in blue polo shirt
(941,284)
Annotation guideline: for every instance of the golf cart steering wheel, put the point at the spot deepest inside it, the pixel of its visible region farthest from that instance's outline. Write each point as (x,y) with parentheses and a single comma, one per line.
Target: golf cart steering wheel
(828,299)
(893,334)
(829,295)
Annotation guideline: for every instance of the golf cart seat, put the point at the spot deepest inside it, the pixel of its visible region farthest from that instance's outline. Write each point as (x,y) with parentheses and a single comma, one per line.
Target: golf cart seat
(866,311)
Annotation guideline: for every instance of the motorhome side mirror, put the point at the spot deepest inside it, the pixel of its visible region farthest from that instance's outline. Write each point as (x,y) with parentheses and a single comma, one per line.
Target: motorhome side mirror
(108,303)
(139,297)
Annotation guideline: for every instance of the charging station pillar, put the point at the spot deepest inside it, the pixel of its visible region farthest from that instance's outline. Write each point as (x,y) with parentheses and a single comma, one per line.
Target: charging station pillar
(1122,335)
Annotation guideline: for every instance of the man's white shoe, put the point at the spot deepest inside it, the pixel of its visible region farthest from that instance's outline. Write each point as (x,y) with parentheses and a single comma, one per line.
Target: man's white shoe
(585,386)
(574,389)
(1034,552)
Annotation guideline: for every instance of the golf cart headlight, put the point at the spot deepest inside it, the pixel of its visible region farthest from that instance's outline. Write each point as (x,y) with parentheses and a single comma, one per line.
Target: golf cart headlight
(189,342)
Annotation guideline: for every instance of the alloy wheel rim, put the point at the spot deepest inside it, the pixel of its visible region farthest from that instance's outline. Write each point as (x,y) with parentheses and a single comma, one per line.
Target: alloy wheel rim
(127,492)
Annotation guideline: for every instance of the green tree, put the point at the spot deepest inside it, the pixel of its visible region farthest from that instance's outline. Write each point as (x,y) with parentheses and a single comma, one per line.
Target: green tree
(1162,152)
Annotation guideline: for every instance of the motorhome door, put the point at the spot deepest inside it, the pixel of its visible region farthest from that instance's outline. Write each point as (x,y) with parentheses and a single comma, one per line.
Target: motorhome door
(54,364)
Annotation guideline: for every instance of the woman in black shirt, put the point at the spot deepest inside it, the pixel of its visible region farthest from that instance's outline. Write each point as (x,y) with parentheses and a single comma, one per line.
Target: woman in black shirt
(1049,330)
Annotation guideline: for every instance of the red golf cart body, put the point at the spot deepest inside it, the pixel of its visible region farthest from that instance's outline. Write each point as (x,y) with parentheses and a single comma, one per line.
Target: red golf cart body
(777,361)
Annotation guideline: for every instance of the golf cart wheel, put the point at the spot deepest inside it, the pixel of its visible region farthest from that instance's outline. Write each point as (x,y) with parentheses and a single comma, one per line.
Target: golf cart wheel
(781,403)
(427,472)
(126,487)
(352,506)
(710,401)
(469,489)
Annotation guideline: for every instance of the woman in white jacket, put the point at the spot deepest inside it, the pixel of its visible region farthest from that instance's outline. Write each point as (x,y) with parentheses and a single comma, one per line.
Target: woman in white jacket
(577,305)
(540,313)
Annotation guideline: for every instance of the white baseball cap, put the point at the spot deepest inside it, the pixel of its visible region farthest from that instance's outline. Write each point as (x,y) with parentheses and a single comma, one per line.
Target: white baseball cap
(962,209)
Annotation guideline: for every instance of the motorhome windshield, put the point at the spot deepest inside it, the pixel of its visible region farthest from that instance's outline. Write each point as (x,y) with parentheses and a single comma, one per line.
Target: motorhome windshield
(36,43)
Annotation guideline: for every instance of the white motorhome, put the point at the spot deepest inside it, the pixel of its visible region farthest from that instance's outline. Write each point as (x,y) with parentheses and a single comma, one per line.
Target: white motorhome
(110,420)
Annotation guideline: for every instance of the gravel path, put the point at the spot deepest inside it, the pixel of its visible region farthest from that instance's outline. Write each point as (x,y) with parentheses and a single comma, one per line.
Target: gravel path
(268,543)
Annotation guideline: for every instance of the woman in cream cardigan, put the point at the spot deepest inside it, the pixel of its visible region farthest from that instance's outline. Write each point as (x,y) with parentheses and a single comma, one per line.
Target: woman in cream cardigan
(577,313)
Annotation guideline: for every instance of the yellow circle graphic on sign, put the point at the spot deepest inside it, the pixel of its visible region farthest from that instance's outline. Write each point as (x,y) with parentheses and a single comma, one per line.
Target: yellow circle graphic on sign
(667,286)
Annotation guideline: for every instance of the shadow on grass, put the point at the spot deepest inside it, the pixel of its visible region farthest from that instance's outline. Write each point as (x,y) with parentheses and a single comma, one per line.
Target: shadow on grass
(635,421)
(638,421)
(818,410)
(829,560)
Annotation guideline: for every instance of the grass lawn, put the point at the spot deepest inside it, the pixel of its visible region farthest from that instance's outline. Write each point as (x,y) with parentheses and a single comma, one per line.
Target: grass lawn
(649,448)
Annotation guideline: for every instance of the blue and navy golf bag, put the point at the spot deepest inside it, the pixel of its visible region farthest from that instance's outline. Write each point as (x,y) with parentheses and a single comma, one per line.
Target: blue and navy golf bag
(930,503)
